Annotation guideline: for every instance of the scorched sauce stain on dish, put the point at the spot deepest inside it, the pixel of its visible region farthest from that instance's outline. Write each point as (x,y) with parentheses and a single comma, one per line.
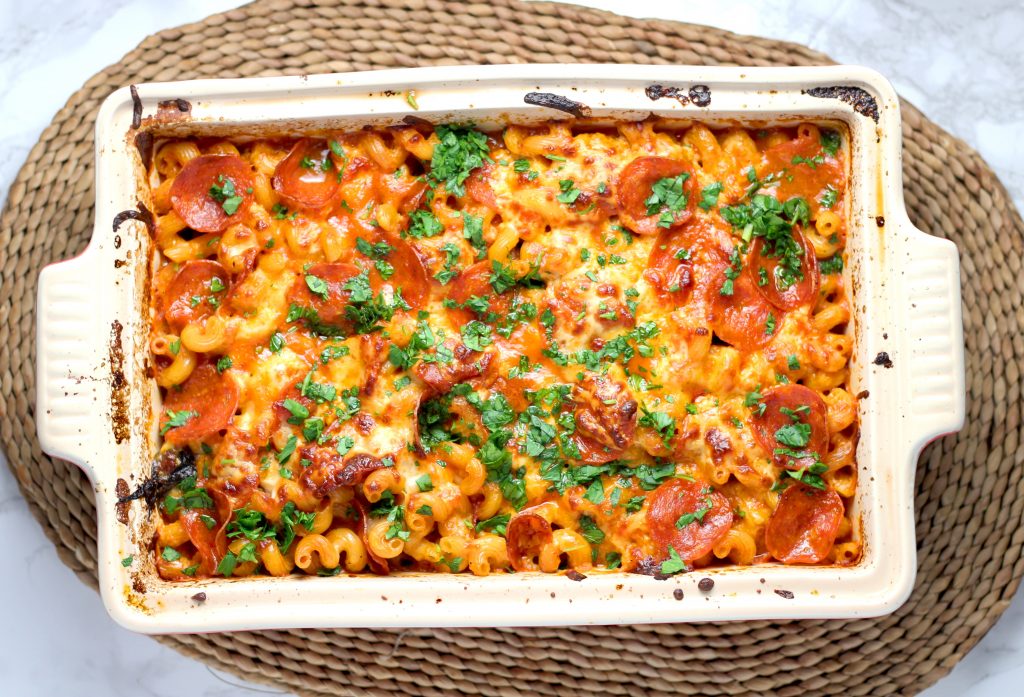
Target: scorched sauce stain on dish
(556,347)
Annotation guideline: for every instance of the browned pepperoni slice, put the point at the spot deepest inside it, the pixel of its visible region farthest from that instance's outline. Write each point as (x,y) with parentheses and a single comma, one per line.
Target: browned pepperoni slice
(803,527)
(709,518)
(771,283)
(209,400)
(195,292)
(212,192)
(308,177)
(790,405)
(634,188)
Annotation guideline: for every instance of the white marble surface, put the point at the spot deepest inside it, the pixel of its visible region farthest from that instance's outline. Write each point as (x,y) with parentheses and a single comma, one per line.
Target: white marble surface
(962,67)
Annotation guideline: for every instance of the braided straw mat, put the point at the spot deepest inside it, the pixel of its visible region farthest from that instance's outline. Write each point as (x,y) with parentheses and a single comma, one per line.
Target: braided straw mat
(970,489)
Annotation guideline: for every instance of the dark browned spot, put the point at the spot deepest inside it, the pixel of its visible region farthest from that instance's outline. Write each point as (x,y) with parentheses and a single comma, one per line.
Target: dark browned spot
(144,144)
(557,101)
(863,394)
(705,585)
(119,389)
(788,595)
(700,95)
(136,107)
(719,443)
(677,594)
(861,101)
(121,507)
(880,220)
(656,92)
(574,575)
(413,120)
(181,105)
(199,597)
(883,360)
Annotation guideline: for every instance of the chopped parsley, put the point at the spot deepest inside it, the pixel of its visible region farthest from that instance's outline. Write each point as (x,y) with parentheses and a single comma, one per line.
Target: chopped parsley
(832,265)
(498,524)
(177,419)
(569,192)
(674,564)
(709,195)
(829,198)
(223,192)
(423,223)
(590,530)
(661,422)
(830,141)
(667,198)
(460,150)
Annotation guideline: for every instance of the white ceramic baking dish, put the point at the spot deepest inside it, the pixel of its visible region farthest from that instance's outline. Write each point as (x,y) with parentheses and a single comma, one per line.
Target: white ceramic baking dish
(95,404)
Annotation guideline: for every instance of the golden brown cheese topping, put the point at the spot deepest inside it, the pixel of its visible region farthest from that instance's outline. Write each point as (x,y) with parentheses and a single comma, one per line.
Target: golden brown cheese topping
(560,346)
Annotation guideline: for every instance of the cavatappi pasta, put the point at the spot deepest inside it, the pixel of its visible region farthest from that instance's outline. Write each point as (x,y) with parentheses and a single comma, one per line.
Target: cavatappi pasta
(558,346)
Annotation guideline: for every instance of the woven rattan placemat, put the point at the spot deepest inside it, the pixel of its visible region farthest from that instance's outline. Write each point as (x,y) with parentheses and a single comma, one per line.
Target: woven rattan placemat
(970,488)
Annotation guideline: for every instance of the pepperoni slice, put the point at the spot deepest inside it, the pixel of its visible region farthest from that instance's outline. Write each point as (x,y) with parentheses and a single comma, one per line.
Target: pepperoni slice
(742,318)
(808,408)
(209,400)
(205,540)
(330,471)
(195,293)
(709,517)
(634,187)
(670,267)
(308,177)
(478,187)
(410,276)
(768,281)
(474,282)
(212,192)
(378,564)
(442,377)
(808,181)
(330,303)
(605,414)
(527,533)
(803,527)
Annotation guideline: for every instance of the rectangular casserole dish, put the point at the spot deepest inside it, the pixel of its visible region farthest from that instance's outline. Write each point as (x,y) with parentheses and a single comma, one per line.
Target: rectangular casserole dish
(97,407)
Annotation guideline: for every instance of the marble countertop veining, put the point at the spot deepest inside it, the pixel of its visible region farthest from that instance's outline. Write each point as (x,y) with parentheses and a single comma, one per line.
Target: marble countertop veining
(961,67)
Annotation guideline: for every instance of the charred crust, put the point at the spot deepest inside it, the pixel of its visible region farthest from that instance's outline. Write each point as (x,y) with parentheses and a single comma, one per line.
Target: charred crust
(558,102)
(656,92)
(858,98)
(182,105)
(121,507)
(136,107)
(700,95)
(144,144)
(142,215)
(170,469)
(120,419)
(883,360)
(413,120)
(719,443)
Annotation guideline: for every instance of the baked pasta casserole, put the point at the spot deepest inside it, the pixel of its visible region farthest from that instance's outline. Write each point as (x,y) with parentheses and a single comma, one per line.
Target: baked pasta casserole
(568,346)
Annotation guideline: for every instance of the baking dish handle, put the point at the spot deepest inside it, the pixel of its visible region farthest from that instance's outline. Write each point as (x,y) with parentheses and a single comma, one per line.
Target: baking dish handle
(933,365)
(70,360)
